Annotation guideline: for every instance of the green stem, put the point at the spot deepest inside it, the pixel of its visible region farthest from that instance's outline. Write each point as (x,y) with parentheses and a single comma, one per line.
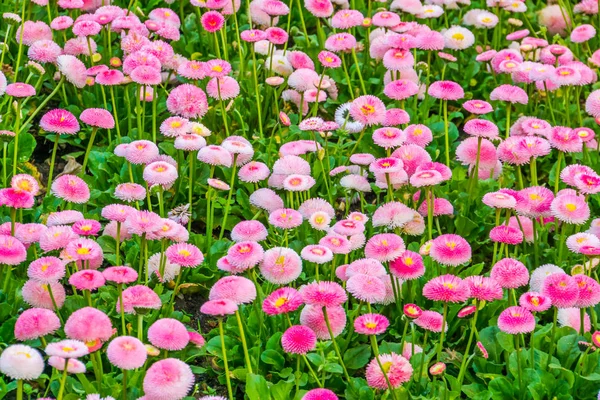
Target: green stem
(244,344)
(442,334)
(228,204)
(446,133)
(357,65)
(224,351)
(335,346)
(256,92)
(88,150)
(63,380)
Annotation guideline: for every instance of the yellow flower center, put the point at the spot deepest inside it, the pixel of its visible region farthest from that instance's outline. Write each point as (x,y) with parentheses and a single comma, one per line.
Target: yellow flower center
(458,36)
(280,302)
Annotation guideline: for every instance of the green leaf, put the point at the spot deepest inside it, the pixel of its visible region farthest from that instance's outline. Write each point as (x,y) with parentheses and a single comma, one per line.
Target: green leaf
(282,390)
(257,387)
(501,389)
(357,357)
(506,341)
(357,389)
(333,368)
(272,357)
(315,358)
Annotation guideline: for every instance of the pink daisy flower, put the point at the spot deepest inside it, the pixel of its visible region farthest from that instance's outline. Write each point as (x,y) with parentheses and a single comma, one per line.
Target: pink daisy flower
(281,265)
(562,289)
(397,369)
(168,379)
(35,323)
(236,288)
(368,110)
(168,334)
(515,320)
(371,324)
(510,273)
(447,288)
(282,300)
(298,339)
(384,247)
(535,302)
(312,317)
(126,352)
(450,249)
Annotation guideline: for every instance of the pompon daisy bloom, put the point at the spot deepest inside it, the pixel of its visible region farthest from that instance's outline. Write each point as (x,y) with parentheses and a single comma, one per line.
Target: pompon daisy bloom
(266,199)
(160,173)
(323,294)
(515,320)
(577,241)
(458,38)
(571,317)
(130,192)
(26,183)
(67,349)
(220,307)
(251,230)
(253,172)
(168,376)
(499,200)
(168,334)
(281,265)
(539,275)
(312,316)
(59,121)
(12,251)
(120,274)
(236,288)
(510,273)
(184,254)
(126,352)
(506,234)
(392,215)
(366,266)
(450,249)
(535,302)
(562,289)
(371,324)
(509,93)
(21,362)
(87,280)
(215,155)
(37,294)
(408,266)
(348,227)
(35,323)
(187,100)
(478,107)
(298,339)
(320,394)
(88,324)
(419,135)
(446,90)
(244,255)
(571,209)
(398,370)
(316,254)
(338,244)
(366,288)
(285,218)
(368,110)
(481,128)
(447,288)
(139,297)
(483,288)
(589,291)
(282,300)
(71,188)
(384,247)
(73,70)
(319,220)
